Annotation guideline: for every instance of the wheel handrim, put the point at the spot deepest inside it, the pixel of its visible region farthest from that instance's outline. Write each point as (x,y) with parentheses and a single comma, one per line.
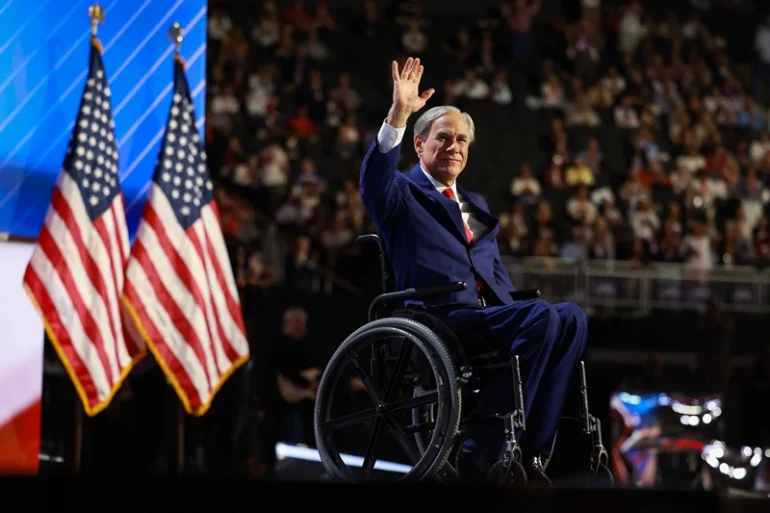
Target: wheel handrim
(383,407)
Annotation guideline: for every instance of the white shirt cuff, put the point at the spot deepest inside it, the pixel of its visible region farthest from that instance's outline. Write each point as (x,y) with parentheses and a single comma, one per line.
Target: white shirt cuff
(389,137)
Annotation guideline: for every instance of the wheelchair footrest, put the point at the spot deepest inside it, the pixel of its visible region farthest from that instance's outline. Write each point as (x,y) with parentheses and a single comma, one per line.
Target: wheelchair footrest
(512,449)
(518,395)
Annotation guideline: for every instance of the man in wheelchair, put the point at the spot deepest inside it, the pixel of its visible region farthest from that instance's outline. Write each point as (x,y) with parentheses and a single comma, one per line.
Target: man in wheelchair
(437,232)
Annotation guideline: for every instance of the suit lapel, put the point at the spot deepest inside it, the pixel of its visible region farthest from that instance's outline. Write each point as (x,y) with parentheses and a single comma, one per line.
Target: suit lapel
(450,208)
(484,217)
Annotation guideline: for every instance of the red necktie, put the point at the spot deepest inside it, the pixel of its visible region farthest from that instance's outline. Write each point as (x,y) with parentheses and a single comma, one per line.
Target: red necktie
(449,193)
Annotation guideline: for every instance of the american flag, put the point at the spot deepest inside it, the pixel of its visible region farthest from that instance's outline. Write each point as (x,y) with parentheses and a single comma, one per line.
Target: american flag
(75,277)
(180,289)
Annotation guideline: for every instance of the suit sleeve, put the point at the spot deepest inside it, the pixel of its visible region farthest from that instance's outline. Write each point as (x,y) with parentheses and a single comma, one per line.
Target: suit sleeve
(381,189)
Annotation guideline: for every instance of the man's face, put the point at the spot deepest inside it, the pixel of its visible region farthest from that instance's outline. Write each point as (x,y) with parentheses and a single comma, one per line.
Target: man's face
(294,324)
(444,152)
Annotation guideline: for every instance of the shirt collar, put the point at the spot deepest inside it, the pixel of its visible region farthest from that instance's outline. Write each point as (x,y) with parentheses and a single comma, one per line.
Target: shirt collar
(440,186)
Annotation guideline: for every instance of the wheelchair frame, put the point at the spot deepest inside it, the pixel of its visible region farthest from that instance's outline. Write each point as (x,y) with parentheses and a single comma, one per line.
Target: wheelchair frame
(509,469)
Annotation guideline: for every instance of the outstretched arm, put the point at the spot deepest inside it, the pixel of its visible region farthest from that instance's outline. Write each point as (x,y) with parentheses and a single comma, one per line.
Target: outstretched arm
(380,192)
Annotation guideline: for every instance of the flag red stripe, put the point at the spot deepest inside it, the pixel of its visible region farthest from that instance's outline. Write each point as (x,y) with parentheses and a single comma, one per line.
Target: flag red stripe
(114,237)
(178,317)
(60,204)
(230,287)
(232,305)
(117,210)
(90,326)
(63,341)
(180,266)
(164,353)
(195,241)
(111,239)
(100,225)
(121,231)
(227,346)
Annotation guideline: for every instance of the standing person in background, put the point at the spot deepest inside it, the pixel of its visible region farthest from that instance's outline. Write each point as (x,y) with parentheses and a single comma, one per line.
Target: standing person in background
(296,360)
(521,23)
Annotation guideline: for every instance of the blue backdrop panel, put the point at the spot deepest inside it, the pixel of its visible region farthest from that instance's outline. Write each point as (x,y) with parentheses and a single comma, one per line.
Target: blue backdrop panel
(44,49)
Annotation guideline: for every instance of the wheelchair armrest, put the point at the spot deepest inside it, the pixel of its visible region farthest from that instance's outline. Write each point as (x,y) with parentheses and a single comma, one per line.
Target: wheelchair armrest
(370,237)
(523,295)
(435,290)
(416,292)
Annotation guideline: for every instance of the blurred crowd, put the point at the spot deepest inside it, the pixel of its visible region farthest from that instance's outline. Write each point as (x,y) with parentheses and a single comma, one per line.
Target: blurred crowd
(694,145)
(292,109)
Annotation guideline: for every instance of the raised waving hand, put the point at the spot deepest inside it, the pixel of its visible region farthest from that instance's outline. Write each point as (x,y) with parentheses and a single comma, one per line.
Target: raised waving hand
(407,98)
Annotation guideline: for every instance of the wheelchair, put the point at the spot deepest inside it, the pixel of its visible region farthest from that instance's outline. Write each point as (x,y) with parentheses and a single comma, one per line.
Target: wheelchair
(421,383)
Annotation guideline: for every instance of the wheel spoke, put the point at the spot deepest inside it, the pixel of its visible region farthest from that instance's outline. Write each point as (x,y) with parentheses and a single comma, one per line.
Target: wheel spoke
(366,378)
(398,370)
(371,447)
(348,420)
(413,402)
(403,440)
(420,428)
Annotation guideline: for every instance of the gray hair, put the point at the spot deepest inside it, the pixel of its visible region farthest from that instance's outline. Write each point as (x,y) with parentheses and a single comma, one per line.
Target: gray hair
(425,121)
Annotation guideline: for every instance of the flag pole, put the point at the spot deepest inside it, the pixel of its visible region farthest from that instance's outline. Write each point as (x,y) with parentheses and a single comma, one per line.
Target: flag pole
(78,445)
(96,13)
(175,34)
(180,441)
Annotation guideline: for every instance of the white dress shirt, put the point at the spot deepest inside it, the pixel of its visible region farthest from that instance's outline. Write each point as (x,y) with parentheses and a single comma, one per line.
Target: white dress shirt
(389,137)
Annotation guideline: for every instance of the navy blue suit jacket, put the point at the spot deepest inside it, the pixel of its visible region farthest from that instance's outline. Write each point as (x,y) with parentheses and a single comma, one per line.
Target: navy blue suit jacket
(424,234)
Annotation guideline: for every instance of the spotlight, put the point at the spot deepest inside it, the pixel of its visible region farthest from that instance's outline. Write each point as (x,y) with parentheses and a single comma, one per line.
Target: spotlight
(738,473)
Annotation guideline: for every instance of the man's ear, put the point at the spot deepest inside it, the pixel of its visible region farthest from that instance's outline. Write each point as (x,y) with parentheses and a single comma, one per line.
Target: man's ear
(418,144)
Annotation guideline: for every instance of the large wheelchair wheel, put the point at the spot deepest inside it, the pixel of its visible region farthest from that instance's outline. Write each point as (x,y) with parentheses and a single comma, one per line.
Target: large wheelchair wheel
(405,368)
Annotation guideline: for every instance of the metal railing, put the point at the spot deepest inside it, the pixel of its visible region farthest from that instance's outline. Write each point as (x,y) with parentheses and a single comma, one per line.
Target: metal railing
(618,285)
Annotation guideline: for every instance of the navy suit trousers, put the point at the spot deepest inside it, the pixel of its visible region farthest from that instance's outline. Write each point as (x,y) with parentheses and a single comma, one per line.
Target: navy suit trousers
(549,340)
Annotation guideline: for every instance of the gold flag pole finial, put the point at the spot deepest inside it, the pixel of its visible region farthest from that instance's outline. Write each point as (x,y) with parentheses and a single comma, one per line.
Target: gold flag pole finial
(175,35)
(96,13)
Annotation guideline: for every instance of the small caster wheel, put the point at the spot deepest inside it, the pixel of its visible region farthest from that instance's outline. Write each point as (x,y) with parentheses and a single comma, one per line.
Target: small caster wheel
(516,477)
(602,477)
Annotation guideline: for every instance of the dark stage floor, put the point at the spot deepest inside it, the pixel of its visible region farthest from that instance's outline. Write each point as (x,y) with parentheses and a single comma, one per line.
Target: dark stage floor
(232,495)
